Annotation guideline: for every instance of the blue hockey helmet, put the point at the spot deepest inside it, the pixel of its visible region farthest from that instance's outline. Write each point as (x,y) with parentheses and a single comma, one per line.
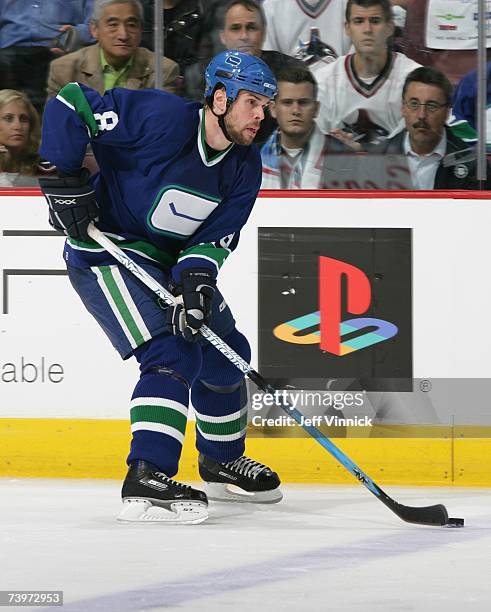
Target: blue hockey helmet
(235,71)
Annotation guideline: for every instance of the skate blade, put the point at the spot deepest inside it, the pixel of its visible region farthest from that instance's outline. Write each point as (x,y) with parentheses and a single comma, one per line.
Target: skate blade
(182,513)
(218,491)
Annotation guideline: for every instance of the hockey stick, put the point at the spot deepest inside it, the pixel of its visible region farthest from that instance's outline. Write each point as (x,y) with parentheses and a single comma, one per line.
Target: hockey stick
(429,515)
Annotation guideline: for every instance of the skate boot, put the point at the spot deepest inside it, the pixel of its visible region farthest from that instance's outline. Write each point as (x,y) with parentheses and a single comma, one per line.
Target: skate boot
(243,480)
(149,496)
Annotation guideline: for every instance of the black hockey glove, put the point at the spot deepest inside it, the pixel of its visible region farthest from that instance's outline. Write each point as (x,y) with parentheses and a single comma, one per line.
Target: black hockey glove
(193,309)
(72,204)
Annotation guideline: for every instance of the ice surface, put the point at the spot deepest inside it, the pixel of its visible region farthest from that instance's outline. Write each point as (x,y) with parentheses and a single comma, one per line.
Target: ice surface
(322,548)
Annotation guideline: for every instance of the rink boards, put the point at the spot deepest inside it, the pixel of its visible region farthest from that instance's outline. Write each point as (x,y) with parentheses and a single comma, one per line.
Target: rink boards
(64,391)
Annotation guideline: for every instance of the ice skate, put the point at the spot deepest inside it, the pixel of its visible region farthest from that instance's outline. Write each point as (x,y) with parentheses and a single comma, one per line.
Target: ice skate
(242,480)
(149,496)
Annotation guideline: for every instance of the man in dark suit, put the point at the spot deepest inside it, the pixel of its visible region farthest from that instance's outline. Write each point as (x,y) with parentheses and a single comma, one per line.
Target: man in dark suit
(437,159)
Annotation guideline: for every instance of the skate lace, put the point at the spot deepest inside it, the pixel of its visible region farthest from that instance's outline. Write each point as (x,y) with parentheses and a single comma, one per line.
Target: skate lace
(246,467)
(173,483)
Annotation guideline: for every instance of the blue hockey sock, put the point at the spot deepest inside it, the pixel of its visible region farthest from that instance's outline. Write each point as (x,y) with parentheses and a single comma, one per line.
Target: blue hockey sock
(159,408)
(221,421)
(220,401)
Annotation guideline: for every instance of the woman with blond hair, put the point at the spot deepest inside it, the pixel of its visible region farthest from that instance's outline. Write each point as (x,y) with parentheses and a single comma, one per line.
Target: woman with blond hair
(20,135)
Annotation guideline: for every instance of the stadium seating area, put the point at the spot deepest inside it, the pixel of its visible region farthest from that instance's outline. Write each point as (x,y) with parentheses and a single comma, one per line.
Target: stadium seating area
(356,115)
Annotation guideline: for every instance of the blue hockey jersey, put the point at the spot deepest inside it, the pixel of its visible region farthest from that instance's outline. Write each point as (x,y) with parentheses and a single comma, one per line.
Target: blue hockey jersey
(160,195)
(463,121)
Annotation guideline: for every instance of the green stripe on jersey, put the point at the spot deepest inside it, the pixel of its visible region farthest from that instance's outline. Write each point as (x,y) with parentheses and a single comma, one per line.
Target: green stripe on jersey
(121,305)
(208,250)
(159,414)
(75,97)
(463,130)
(145,249)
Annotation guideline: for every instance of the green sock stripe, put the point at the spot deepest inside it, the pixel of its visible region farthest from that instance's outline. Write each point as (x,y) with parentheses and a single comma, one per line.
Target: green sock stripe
(76,98)
(159,414)
(222,429)
(123,310)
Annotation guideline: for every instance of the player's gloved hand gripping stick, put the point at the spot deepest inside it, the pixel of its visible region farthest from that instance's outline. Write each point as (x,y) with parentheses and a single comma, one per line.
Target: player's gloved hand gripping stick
(430,515)
(191,307)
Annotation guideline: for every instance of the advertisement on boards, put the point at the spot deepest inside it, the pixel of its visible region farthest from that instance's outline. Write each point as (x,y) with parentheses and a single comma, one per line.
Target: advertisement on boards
(336,303)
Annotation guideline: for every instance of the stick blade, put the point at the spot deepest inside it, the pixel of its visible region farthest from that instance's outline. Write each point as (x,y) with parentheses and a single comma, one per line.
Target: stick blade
(427,515)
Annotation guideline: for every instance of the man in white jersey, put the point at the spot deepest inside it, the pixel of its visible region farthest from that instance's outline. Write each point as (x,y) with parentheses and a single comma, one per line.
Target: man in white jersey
(360,93)
(290,21)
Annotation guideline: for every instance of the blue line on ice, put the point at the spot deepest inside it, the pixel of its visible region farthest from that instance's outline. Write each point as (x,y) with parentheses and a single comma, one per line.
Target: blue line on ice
(218,582)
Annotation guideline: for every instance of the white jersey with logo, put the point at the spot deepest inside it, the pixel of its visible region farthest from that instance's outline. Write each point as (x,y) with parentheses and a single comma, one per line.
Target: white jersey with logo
(349,102)
(289,22)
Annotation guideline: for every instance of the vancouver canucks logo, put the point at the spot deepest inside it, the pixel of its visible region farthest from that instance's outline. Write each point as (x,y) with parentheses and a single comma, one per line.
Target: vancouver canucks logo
(313,8)
(179,211)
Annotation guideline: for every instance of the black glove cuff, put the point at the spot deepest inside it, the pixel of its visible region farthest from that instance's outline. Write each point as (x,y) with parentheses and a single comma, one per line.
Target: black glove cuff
(196,279)
(65,180)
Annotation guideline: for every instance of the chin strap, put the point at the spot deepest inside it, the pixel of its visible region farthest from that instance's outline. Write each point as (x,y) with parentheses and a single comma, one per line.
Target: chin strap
(221,120)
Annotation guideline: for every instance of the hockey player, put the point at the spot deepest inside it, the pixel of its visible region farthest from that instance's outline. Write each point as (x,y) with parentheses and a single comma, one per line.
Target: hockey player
(177,182)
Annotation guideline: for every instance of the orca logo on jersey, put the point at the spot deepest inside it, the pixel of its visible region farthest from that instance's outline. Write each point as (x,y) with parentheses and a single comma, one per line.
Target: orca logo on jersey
(107,121)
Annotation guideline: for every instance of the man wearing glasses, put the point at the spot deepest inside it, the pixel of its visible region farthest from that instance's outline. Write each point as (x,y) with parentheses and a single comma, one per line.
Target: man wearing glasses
(437,159)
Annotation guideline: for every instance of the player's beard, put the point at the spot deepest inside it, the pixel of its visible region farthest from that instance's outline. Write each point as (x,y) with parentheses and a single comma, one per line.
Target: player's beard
(238,136)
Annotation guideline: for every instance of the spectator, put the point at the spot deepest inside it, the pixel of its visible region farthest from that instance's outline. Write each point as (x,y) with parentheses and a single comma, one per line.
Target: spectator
(361,92)
(464,109)
(116,60)
(290,23)
(34,33)
(184,23)
(293,155)
(436,157)
(20,135)
(244,29)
